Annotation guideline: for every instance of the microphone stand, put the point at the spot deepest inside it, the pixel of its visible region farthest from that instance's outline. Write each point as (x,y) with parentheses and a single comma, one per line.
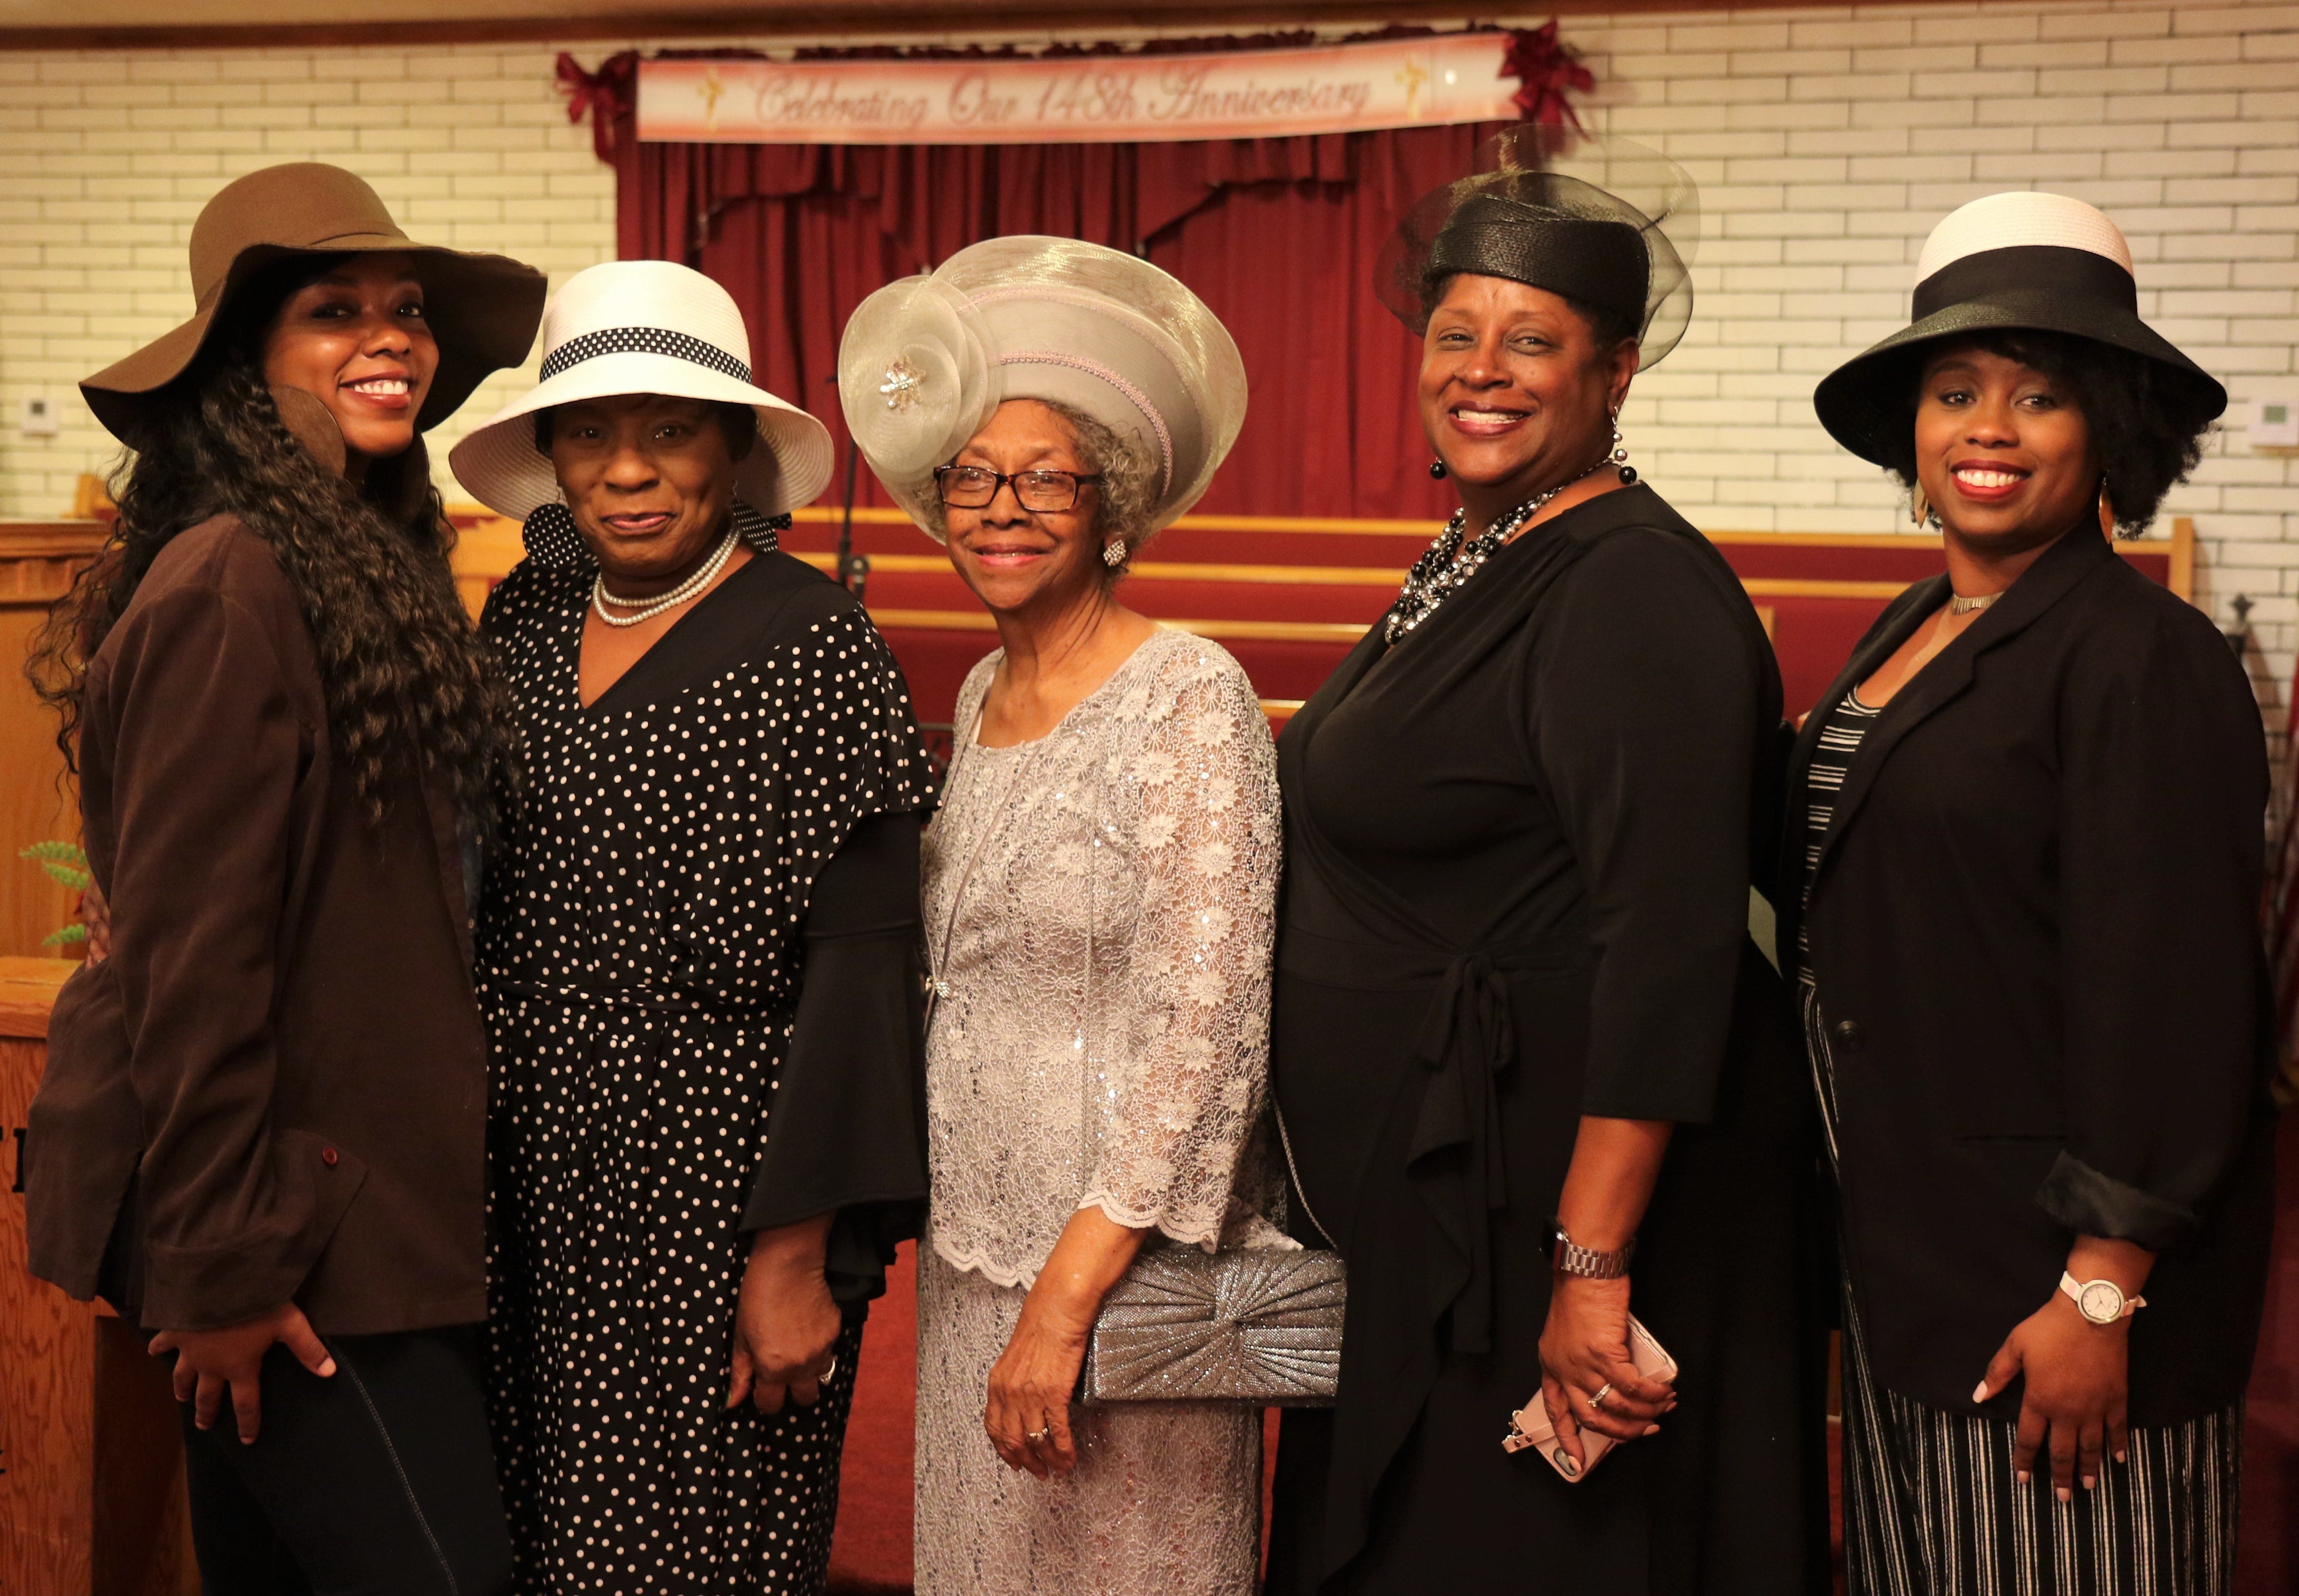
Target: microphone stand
(853,569)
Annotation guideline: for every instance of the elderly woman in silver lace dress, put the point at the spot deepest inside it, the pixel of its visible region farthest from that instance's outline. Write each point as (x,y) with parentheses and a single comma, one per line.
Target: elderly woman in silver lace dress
(1099,887)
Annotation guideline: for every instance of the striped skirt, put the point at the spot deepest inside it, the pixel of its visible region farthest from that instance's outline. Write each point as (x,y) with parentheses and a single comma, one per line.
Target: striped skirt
(1930,1507)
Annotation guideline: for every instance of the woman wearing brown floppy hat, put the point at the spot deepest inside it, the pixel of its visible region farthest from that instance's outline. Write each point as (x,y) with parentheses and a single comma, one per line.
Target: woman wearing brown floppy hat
(261,1133)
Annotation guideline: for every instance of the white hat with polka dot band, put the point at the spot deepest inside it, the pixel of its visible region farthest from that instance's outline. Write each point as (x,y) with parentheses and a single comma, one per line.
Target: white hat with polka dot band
(644,326)
(2018,261)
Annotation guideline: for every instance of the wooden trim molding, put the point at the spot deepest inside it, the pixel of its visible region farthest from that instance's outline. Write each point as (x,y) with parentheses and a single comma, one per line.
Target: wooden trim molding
(38,559)
(28,991)
(1263,631)
(490,546)
(855,21)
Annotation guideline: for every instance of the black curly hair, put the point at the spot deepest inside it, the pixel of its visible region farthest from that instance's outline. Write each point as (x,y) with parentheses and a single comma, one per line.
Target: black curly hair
(409,683)
(2148,426)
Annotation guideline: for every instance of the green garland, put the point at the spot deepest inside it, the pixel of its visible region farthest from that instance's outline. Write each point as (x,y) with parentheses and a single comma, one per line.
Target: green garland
(66,865)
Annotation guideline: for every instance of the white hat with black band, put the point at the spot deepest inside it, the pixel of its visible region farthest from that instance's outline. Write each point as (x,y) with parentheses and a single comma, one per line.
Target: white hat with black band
(644,326)
(2018,261)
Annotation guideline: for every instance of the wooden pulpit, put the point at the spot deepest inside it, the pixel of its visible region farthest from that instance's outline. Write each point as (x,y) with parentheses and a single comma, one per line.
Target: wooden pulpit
(91,1461)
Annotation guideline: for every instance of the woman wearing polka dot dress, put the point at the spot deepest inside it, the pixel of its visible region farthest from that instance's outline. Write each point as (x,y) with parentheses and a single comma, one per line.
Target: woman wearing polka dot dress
(1100,889)
(703,908)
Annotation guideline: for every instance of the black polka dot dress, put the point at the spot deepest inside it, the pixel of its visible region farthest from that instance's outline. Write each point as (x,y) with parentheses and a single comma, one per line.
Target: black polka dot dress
(643,950)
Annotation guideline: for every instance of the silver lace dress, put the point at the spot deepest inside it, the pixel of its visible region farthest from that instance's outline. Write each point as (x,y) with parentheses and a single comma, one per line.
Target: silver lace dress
(1101,1041)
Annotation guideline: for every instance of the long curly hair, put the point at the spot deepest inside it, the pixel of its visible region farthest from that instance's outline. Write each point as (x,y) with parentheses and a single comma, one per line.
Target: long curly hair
(409,684)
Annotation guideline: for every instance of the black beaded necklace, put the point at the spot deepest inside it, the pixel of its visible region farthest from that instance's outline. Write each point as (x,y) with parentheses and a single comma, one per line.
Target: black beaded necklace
(1449,562)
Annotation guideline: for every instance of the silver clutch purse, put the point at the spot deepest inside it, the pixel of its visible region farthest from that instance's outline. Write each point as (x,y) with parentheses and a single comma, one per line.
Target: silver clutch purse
(1251,1325)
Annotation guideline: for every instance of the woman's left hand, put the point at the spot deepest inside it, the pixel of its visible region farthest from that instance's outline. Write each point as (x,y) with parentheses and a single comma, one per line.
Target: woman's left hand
(787,1325)
(2077,1382)
(1584,1349)
(1028,1414)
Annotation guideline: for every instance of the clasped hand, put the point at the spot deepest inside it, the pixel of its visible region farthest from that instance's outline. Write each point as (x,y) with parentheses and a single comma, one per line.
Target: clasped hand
(1584,1348)
(787,1324)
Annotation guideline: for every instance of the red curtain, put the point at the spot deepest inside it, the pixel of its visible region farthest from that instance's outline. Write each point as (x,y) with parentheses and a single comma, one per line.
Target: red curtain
(1278,235)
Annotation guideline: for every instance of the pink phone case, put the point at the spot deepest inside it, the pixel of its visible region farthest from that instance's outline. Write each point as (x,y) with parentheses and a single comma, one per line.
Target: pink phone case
(1530,1426)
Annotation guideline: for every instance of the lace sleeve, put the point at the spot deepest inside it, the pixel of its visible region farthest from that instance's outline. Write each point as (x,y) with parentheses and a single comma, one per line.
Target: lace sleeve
(1195,995)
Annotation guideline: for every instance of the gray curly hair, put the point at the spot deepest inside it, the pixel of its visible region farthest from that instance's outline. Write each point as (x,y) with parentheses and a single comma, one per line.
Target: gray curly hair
(1128,496)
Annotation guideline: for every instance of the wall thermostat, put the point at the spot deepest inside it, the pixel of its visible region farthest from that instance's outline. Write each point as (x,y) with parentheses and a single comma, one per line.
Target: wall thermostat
(2274,423)
(40,417)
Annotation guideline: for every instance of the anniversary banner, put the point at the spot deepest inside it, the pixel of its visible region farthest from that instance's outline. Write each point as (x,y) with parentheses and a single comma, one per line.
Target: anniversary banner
(1260,94)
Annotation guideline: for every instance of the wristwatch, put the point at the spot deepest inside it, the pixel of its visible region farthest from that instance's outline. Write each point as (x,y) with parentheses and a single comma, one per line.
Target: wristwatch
(1568,1257)
(2102,1302)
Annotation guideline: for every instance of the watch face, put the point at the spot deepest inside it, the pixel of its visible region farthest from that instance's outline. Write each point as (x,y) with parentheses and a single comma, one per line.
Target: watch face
(2101,1302)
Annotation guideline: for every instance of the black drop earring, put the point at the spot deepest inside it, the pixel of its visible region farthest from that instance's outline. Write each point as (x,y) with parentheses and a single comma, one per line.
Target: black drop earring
(1621,454)
(1437,469)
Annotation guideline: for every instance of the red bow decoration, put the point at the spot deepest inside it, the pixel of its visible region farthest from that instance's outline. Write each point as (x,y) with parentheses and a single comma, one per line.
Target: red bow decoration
(1547,69)
(608,94)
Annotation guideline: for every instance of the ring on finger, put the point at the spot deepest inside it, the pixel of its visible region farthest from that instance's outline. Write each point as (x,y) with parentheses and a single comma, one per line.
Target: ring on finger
(827,1375)
(1598,1401)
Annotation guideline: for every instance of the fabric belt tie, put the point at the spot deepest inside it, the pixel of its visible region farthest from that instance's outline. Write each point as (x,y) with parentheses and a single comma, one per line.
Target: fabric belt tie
(653,1000)
(1456,1161)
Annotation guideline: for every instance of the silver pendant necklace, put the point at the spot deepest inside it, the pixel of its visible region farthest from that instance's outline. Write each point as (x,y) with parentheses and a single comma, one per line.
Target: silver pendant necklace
(646,609)
(1449,562)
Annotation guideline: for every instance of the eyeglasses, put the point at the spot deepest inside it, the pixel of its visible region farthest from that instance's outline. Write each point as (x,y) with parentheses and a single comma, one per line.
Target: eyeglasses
(971,487)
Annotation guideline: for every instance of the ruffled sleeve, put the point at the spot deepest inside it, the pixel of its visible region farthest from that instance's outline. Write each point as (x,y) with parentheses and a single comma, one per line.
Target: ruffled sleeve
(847,1133)
(1196,993)
(845,1130)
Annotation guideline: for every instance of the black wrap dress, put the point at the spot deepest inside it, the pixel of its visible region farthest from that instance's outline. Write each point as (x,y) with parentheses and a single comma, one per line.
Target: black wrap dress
(698,966)
(1519,846)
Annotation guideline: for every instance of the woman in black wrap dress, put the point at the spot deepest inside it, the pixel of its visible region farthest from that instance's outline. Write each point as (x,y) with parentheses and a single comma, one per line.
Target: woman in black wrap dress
(1522,822)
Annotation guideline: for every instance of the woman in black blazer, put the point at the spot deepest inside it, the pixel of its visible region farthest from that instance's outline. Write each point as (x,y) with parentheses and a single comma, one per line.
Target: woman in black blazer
(2032,986)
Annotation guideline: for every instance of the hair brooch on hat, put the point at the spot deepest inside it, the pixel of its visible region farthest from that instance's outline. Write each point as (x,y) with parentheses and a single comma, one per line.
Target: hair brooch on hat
(927,361)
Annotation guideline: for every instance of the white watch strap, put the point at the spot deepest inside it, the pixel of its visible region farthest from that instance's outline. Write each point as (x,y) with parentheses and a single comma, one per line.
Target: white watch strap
(2076,1288)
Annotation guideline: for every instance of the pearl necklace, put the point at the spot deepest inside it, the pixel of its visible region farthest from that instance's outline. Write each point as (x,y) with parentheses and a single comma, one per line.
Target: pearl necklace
(1448,563)
(703,577)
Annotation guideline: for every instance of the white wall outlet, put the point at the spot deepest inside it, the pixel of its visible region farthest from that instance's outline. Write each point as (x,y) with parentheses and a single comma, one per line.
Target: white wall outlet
(39,419)
(2273,423)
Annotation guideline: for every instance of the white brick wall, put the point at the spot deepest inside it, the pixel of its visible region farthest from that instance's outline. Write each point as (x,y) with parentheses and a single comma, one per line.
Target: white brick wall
(105,157)
(1827,143)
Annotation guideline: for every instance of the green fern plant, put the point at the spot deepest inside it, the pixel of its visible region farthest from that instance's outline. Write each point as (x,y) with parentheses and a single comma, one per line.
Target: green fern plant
(66,865)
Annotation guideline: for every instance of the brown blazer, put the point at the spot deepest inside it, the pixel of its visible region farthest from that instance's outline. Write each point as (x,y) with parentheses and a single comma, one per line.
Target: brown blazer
(275,1088)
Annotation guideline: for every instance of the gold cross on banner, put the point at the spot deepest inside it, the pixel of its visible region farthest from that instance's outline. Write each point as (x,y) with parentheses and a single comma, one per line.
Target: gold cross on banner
(1412,75)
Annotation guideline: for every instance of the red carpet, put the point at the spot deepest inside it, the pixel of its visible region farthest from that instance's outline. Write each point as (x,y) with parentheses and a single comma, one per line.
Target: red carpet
(870,1555)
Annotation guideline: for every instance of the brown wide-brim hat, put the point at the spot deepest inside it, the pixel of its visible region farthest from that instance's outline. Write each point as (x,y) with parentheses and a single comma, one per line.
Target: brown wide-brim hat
(482,310)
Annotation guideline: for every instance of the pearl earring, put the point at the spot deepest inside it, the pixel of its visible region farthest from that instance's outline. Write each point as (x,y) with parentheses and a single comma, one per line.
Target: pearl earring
(1437,469)
(1621,454)
(1113,553)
